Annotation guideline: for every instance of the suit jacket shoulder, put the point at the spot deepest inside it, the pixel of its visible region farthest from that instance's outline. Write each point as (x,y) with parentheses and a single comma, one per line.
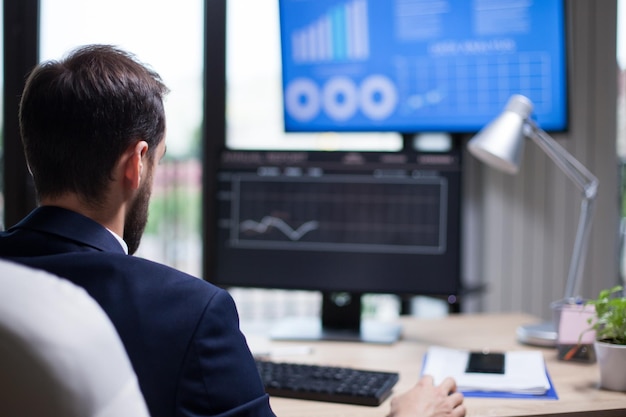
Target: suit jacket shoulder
(49,230)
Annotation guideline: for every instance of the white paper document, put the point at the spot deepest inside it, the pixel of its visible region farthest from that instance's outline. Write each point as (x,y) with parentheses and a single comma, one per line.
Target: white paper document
(524,372)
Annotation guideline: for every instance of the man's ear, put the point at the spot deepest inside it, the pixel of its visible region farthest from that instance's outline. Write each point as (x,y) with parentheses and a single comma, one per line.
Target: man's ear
(134,168)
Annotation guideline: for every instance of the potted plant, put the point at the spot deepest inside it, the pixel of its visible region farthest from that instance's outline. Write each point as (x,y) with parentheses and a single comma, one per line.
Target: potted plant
(610,337)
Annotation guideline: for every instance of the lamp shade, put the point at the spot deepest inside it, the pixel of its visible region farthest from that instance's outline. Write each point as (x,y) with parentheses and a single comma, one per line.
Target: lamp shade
(500,144)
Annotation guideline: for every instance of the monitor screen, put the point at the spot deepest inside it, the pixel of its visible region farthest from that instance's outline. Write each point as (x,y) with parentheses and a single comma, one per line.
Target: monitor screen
(339,222)
(413,66)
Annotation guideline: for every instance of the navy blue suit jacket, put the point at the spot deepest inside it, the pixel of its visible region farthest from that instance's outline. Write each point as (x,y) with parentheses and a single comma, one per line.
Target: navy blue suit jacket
(181,333)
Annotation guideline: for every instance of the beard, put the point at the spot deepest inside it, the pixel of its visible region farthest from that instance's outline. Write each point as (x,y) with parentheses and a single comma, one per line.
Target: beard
(137,217)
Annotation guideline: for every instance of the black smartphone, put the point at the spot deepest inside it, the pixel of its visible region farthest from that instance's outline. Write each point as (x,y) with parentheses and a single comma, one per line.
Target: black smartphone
(486,363)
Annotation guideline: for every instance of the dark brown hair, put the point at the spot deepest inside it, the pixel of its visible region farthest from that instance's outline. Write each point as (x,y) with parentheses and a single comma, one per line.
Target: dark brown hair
(80,114)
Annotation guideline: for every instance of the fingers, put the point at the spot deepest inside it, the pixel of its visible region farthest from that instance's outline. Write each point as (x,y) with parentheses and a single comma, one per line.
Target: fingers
(427,399)
(459,411)
(456,398)
(455,401)
(449,385)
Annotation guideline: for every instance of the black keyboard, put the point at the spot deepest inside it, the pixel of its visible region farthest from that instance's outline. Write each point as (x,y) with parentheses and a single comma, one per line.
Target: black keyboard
(326,383)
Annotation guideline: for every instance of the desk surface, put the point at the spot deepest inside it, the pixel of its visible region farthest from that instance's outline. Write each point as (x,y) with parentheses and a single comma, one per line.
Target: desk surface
(575,383)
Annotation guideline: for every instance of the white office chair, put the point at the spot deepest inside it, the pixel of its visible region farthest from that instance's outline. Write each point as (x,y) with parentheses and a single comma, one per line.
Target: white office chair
(60,355)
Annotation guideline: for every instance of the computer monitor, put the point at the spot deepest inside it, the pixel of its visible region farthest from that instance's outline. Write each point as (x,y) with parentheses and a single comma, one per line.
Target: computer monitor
(342,223)
(415,66)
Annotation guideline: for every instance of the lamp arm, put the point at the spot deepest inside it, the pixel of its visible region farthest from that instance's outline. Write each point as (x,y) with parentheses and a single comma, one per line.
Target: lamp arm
(577,172)
(581,242)
(588,184)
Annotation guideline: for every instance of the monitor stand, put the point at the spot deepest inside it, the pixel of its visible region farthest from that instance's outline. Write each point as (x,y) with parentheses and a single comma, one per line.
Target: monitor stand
(340,321)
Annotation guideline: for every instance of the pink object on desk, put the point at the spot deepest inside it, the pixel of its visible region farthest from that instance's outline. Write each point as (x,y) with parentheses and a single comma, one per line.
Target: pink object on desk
(574,325)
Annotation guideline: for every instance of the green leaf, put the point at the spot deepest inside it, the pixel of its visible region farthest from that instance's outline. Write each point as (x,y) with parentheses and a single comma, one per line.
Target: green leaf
(610,307)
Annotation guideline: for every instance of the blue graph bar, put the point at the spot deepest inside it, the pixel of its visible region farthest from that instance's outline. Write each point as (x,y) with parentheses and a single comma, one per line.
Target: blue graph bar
(340,34)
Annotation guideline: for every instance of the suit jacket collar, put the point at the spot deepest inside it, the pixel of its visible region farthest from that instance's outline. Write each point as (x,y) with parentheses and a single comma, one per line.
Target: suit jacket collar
(70,225)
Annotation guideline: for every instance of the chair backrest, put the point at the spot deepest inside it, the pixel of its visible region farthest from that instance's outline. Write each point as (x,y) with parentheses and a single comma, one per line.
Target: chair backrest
(60,355)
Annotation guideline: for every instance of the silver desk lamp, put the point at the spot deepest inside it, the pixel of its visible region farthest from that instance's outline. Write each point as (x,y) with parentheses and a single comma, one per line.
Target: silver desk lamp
(500,144)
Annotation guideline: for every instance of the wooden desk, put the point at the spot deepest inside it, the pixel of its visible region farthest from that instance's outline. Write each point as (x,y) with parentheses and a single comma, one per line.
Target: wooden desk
(576,384)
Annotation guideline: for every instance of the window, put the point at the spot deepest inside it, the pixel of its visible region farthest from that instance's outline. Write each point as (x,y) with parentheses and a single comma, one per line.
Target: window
(169,38)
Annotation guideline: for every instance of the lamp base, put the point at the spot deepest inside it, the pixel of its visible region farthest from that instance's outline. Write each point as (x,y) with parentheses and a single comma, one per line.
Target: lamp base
(542,334)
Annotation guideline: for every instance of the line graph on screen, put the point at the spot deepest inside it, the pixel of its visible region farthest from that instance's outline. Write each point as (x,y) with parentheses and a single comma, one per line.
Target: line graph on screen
(404,214)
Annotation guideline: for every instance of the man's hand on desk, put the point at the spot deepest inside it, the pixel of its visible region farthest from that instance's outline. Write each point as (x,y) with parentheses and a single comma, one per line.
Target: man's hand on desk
(427,400)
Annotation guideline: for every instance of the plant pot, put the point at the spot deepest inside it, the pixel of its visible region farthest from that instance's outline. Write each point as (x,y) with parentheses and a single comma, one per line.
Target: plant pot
(612,364)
